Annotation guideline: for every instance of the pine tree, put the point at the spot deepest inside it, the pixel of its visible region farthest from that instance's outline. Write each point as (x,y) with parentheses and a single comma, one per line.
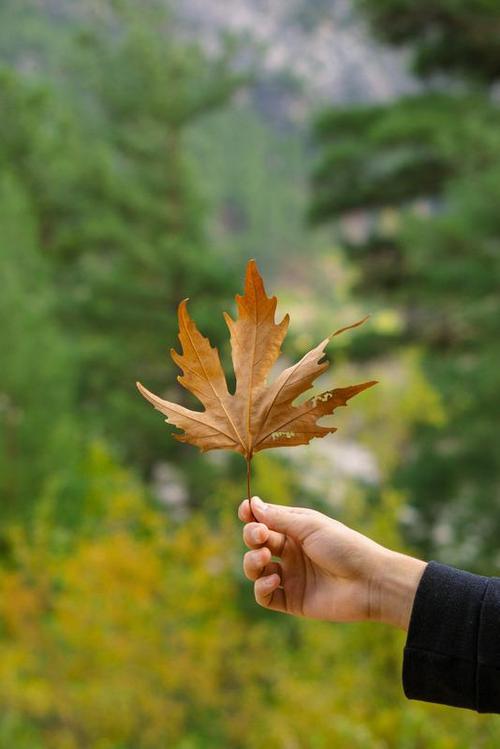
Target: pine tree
(97,139)
(424,173)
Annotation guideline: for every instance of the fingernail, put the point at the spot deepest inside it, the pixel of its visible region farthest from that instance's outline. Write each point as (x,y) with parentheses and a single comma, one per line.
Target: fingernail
(260,504)
(259,535)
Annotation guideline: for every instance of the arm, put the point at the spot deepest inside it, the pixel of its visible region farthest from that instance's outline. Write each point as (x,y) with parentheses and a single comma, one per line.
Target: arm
(452,652)
(329,571)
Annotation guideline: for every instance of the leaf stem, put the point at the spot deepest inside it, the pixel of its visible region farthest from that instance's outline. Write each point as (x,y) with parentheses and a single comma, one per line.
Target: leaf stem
(249,461)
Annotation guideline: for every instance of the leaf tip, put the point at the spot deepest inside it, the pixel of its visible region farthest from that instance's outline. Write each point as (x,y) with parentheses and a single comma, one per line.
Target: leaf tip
(253,273)
(348,327)
(229,320)
(182,308)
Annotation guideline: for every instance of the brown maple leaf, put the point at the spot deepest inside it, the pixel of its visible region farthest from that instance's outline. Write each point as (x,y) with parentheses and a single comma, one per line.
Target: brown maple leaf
(258,415)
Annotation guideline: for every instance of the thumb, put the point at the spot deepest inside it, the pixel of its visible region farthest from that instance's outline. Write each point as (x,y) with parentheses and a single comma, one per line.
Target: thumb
(293,521)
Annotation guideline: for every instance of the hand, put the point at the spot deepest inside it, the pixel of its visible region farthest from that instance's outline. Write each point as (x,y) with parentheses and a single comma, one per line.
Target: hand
(326,570)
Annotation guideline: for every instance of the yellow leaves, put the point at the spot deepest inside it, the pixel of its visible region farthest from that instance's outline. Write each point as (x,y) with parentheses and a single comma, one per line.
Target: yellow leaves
(20,605)
(140,640)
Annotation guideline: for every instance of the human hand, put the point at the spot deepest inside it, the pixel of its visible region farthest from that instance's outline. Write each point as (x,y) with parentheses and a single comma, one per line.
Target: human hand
(325,569)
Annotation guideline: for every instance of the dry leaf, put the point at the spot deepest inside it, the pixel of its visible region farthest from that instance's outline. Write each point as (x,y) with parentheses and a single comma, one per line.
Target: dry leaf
(258,415)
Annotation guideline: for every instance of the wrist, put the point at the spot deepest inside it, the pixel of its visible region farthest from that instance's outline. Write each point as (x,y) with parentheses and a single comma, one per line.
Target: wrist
(393,590)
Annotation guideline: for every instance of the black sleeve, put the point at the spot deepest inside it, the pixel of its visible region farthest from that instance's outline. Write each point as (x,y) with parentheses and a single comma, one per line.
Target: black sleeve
(452,651)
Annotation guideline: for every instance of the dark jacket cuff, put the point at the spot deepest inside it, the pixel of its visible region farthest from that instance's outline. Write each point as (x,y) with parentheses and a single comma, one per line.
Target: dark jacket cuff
(452,652)
(488,651)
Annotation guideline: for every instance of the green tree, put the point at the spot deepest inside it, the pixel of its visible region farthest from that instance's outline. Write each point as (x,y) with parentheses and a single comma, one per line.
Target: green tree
(94,130)
(39,434)
(421,177)
(459,37)
(137,243)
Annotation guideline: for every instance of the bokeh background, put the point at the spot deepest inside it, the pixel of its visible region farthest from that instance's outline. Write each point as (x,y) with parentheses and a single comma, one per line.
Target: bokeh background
(147,151)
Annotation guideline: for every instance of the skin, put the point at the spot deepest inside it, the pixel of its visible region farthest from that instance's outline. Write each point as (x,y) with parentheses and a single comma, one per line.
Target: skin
(305,563)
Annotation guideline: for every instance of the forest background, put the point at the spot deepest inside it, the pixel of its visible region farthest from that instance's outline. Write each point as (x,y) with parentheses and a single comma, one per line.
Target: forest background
(147,151)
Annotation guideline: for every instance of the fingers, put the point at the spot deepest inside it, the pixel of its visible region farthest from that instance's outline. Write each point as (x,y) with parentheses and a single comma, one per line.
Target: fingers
(258,562)
(269,594)
(267,577)
(244,512)
(256,535)
(298,522)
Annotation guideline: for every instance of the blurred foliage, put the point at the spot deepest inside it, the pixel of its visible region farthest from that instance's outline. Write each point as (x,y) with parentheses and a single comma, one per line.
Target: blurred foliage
(415,186)
(138,632)
(459,37)
(106,220)
(40,438)
(127,183)
(257,192)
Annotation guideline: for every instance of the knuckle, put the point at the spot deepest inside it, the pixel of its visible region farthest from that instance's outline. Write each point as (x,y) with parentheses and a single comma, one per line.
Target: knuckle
(317,518)
(253,561)
(260,557)
(265,554)
(315,514)
(260,533)
(249,534)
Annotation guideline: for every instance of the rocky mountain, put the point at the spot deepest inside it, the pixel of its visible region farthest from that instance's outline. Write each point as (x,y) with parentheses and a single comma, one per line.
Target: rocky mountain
(322,44)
